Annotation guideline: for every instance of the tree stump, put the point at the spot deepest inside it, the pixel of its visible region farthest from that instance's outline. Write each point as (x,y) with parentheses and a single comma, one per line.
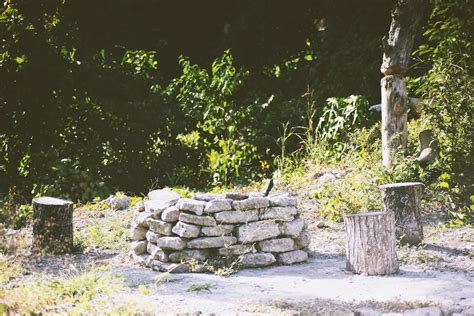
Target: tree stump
(404,200)
(52,225)
(371,245)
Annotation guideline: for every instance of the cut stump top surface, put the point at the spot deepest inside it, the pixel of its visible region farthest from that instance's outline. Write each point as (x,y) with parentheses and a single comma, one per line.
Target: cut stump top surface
(366,214)
(46,200)
(400,184)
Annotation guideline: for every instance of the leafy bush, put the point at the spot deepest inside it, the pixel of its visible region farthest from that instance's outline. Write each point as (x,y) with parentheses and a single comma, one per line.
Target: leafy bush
(220,129)
(448,86)
(69,179)
(340,117)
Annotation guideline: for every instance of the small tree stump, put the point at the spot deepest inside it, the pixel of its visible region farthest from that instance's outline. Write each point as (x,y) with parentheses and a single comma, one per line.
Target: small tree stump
(371,245)
(404,200)
(52,225)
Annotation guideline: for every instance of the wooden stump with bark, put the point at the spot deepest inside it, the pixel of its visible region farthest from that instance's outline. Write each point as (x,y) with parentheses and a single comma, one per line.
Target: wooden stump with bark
(406,19)
(371,245)
(404,200)
(52,225)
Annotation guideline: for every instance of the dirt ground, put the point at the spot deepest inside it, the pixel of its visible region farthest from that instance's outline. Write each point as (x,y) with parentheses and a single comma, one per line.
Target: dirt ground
(437,276)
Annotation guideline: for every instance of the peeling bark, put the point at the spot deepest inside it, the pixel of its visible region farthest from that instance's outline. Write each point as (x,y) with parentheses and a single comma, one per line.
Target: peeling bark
(404,200)
(371,245)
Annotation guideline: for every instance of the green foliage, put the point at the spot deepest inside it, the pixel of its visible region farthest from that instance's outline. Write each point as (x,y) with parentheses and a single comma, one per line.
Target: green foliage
(76,292)
(341,116)
(9,269)
(68,178)
(199,287)
(448,85)
(105,232)
(220,129)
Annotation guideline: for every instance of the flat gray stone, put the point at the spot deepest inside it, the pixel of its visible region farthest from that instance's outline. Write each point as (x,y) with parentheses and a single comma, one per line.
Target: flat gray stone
(235,250)
(160,227)
(118,202)
(169,267)
(186,230)
(250,204)
(321,224)
(156,253)
(197,220)
(218,205)
(282,200)
(236,217)
(236,196)
(152,236)
(256,194)
(139,206)
(291,257)
(261,259)
(303,240)
(156,207)
(293,228)
(279,213)
(139,247)
(190,205)
(257,231)
(277,245)
(219,230)
(140,218)
(141,260)
(326,178)
(185,255)
(211,242)
(172,243)
(164,195)
(206,197)
(170,215)
(138,232)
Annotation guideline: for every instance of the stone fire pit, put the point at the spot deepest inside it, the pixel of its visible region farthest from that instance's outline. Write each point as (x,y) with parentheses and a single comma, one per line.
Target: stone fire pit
(174,234)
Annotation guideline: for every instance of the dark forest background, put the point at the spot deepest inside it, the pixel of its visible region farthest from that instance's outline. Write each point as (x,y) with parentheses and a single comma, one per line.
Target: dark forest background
(97,96)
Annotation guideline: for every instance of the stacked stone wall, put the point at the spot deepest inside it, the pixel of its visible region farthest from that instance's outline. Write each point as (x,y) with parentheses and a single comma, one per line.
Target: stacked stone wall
(177,234)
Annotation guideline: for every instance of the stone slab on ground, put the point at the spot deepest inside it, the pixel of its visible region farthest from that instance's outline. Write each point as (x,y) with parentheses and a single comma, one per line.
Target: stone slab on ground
(277,245)
(185,255)
(260,259)
(292,257)
(319,286)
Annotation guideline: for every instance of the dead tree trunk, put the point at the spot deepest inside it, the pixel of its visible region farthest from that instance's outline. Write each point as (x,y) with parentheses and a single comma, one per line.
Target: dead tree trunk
(404,200)
(406,19)
(52,225)
(371,245)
